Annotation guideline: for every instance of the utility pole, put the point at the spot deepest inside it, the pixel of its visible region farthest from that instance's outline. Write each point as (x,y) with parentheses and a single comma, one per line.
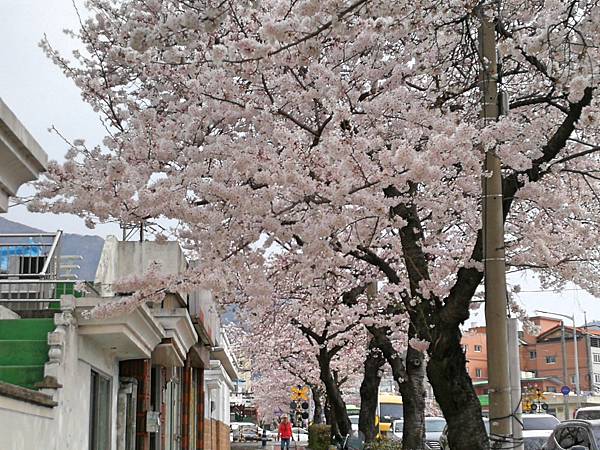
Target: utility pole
(565,372)
(493,257)
(576,363)
(515,383)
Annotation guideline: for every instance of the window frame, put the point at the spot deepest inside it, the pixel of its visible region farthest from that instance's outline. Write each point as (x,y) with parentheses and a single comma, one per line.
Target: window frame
(100,384)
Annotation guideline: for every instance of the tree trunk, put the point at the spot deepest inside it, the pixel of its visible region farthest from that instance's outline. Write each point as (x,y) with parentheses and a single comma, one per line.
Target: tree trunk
(454,392)
(369,391)
(413,399)
(318,412)
(334,396)
(410,380)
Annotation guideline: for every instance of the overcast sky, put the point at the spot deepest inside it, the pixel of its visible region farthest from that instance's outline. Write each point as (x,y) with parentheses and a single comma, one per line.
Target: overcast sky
(41,96)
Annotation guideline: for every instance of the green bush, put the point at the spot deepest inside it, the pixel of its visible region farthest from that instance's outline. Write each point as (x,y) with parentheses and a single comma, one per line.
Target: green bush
(319,437)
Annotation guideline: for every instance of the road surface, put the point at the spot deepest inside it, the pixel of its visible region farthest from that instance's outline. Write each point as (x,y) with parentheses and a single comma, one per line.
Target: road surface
(270,446)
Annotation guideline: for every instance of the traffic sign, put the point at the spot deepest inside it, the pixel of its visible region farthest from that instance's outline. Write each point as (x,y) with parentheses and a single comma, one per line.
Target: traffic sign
(565,390)
(533,406)
(545,406)
(300,393)
(293,405)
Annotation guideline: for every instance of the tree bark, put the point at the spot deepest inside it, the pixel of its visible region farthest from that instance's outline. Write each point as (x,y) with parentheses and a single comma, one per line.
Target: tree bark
(413,399)
(455,394)
(410,379)
(369,391)
(334,396)
(318,412)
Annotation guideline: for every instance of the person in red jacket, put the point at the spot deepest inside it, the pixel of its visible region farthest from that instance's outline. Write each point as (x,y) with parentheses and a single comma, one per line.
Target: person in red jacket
(285,433)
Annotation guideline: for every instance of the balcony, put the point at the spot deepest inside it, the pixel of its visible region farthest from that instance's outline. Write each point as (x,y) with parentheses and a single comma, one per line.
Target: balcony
(33,275)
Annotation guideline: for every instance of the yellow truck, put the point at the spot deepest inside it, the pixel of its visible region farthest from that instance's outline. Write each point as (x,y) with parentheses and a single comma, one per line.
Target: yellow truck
(390,408)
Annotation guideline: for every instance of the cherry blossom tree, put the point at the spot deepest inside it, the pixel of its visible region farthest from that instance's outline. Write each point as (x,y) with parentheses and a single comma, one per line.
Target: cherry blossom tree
(347,134)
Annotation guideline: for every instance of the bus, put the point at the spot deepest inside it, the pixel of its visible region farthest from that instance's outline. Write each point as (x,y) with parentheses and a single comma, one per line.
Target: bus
(390,408)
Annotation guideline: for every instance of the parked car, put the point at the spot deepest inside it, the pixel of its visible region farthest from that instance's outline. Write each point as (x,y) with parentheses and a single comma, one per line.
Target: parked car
(271,435)
(444,436)
(434,426)
(397,429)
(299,434)
(249,434)
(588,413)
(575,434)
(246,432)
(536,429)
(354,420)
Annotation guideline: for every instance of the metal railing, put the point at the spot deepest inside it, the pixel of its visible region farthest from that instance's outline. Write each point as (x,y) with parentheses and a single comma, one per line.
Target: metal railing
(30,271)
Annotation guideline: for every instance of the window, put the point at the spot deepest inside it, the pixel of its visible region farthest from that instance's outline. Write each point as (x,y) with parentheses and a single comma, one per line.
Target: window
(551,359)
(595,342)
(551,389)
(434,425)
(391,411)
(478,348)
(597,357)
(478,373)
(465,348)
(99,412)
(596,378)
(572,379)
(532,355)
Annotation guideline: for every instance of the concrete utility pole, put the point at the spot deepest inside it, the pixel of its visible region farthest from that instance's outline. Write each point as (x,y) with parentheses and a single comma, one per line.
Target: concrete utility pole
(493,233)
(565,372)
(515,383)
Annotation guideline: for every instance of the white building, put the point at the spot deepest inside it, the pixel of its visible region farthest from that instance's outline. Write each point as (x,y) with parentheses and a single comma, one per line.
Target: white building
(156,377)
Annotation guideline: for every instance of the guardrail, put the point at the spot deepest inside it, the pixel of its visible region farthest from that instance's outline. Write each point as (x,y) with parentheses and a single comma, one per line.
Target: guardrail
(30,271)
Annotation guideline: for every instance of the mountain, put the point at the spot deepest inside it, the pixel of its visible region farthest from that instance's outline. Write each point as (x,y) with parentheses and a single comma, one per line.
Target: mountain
(89,247)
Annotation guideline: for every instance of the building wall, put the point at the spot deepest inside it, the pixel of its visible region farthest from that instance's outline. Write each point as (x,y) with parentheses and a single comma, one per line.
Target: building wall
(472,340)
(595,372)
(546,368)
(66,426)
(216,436)
(28,424)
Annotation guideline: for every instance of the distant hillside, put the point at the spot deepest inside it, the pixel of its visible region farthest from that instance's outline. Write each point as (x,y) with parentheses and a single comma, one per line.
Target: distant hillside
(90,247)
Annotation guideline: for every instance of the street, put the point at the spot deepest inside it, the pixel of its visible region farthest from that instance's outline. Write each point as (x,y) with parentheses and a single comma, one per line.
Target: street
(270,445)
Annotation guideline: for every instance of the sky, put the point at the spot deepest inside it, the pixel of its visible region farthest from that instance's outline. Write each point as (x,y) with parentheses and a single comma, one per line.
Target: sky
(41,97)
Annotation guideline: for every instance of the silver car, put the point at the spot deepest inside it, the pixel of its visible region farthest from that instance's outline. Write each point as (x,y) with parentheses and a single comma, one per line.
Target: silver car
(434,426)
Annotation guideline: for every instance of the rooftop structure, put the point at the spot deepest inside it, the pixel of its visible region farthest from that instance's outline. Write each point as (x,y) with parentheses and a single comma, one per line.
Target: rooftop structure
(21,157)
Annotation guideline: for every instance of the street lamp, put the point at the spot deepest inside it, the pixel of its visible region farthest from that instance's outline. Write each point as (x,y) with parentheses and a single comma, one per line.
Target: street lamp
(576,352)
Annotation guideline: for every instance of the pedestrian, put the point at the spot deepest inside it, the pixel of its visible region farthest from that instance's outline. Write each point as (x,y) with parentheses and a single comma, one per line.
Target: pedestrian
(264,438)
(284,433)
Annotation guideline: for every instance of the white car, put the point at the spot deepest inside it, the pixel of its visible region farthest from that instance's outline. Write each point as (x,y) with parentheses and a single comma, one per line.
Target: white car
(537,428)
(299,434)
(434,426)
(538,425)
(354,420)
(588,413)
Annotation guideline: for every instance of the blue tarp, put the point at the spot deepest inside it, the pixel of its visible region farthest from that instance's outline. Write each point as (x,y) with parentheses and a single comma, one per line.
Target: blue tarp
(17,250)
